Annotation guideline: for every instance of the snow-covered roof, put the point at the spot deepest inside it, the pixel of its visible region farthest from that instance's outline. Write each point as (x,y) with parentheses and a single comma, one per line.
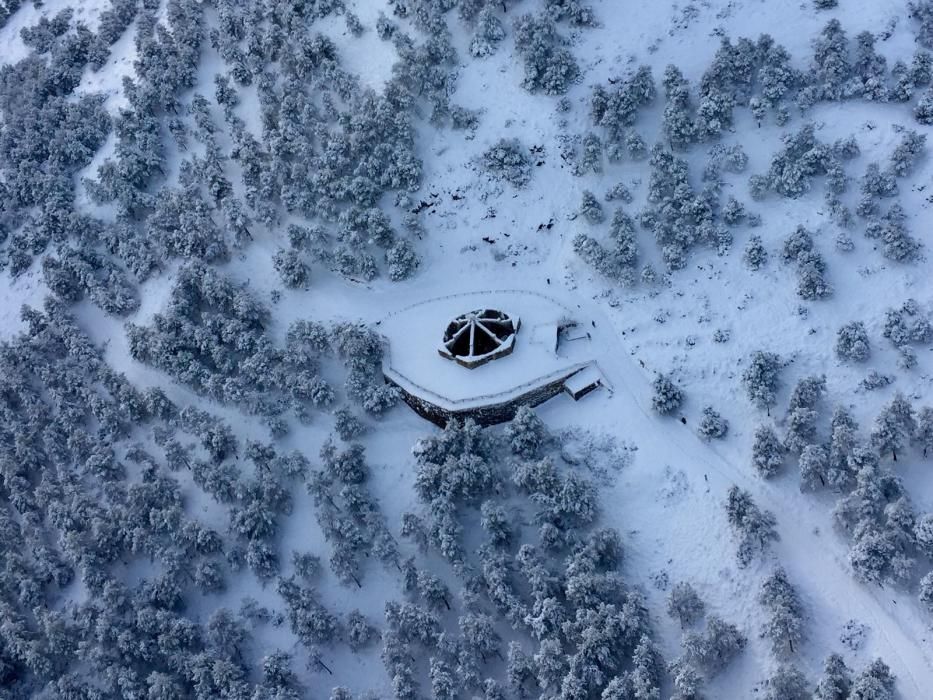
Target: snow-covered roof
(414,334)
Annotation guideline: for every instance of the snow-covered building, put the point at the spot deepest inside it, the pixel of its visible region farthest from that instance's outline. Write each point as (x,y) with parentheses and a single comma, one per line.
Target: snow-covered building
(484,354)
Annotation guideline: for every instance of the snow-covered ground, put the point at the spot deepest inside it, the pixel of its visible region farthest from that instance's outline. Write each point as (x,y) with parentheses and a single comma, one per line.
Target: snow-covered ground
(667,501)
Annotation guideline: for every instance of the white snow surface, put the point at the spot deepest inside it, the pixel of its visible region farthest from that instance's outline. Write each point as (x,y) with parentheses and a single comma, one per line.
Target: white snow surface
(667,501)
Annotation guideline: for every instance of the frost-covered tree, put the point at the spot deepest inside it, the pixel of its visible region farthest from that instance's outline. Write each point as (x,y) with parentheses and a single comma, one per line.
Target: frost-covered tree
(923,111)
(527,434)
(787,683)
(488,33)
(591,209)
(925,594)
(508,160)
(686,679)
(921,11)
(893,426)
(906,154)
(667,395)
(756,255)
(814,467)
(811,280)
(715,648)
(836,680)
(923,435)
(291,268)
(875,682)
(802,414)
(678,121)
(754,528)
(402,260)
(767,451)
(549,65)
(852,342)
(831,68)
(684,604)
(784,625)
(760,379)
(713,425)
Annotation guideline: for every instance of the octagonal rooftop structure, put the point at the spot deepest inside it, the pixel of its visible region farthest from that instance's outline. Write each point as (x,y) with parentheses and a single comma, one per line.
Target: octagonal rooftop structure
(525,347)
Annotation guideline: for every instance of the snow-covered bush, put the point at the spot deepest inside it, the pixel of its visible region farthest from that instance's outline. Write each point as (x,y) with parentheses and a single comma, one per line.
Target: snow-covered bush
(508,160)
(713,425)
(402,260)
(756,255)
(591,209)
(291,267)
(667,395)
(911,148)
(618,192)
(684,604)
(923,112)
(852,342)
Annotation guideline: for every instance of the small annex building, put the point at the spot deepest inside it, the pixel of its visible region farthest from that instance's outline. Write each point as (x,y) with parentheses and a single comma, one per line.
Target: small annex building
(482,355)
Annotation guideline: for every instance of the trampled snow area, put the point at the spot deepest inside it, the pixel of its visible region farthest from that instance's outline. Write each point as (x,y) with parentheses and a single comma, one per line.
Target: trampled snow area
(700,324)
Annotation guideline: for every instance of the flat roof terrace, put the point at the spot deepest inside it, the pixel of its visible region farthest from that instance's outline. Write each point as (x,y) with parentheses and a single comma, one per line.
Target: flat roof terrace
(542,352)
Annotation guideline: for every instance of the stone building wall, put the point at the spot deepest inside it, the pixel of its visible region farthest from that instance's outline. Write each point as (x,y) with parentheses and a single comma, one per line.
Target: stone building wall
(484,415)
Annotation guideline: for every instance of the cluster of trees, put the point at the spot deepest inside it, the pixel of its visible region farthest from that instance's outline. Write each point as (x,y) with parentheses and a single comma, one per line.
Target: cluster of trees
(758,74)
(616,110)
(906,326)
(549,66)
(212,337)
(536,567)
(889,540)
(618,261)
(48,136)
(349,516)
(85,500)
(677,215)
(811,266)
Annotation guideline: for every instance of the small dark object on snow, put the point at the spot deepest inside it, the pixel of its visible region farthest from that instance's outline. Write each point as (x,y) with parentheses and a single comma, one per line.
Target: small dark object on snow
(683,420)
(548,280)
(594,323)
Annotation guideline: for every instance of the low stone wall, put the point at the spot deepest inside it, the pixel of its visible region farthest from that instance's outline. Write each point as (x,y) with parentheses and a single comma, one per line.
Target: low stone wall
(490,414)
